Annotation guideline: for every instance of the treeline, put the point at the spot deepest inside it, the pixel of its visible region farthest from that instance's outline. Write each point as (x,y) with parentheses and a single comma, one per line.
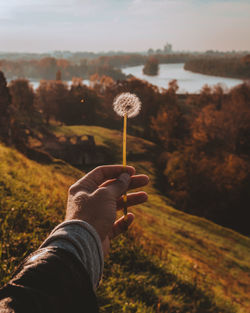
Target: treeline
(203,140)
(25,114)
(47,68)
(135,59)
(235,67)
(58,54)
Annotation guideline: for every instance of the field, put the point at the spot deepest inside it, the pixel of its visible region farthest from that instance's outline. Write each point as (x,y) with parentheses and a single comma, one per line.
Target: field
(168,261)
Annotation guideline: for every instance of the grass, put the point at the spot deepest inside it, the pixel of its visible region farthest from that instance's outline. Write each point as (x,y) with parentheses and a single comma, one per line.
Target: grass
(32,202)
(168,262)
(135,281)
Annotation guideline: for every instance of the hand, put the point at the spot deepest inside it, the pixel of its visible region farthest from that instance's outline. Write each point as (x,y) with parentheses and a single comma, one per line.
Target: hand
(97,196)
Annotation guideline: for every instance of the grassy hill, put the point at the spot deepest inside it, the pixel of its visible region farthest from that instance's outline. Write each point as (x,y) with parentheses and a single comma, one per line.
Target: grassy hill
(168,261)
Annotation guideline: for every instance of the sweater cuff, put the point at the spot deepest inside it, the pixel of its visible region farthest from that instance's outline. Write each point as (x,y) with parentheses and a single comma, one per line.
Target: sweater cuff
(81,239)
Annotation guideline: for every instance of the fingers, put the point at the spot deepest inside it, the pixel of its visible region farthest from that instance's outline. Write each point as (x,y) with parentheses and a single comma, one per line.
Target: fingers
(133,199)
(99,175)
(136,181)
(121,225)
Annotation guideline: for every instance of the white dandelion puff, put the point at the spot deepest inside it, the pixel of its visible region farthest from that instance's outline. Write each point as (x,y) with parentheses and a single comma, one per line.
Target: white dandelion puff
(127,104)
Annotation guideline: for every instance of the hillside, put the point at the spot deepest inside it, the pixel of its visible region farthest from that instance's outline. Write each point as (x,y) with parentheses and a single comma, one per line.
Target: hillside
(168,261)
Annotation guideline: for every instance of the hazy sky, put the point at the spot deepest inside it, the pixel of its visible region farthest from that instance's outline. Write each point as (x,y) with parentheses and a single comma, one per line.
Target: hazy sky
(129,25)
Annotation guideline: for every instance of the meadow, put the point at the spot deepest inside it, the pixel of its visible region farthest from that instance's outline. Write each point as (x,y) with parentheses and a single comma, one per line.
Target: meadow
(168,261)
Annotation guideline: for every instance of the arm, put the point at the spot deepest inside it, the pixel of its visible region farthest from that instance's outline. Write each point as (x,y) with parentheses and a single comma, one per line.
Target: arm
(62,274)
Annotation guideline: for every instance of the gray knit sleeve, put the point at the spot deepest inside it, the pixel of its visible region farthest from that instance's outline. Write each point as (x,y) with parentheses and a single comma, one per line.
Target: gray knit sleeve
(81,239)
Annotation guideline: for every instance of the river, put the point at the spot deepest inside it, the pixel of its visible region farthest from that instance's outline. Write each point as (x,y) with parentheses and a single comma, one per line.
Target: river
(187,81)
(36,83)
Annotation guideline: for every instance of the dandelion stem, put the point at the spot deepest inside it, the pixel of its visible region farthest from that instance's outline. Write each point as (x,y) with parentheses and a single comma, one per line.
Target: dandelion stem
(124,159)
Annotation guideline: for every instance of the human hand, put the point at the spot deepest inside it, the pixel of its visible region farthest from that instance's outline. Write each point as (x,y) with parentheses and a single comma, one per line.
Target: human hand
(97,196)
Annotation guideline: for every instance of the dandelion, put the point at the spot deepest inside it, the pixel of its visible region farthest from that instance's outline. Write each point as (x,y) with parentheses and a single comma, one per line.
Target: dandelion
(126,105)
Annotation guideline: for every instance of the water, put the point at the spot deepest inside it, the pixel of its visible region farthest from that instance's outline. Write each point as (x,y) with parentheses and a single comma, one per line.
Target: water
(36,83)
(187,81)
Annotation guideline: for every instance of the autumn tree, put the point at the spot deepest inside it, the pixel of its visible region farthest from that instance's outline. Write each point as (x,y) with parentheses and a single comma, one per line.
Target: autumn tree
(22,95)
(51,99)
(5,101)
(58,75)
(210,175)
(151,66)
(169,124)
(148,94)
(83,105)
(25,120)
(47,68)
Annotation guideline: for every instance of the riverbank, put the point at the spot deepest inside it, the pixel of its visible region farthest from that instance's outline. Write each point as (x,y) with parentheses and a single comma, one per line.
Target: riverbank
(188,81)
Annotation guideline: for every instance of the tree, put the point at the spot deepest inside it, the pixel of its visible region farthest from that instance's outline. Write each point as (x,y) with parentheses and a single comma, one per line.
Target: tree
(83,104)
(48,68)
(5,101)
(210,175)
(52,98)
(168,127)
(151,67)
(58,75)
(150,51)
(22,95)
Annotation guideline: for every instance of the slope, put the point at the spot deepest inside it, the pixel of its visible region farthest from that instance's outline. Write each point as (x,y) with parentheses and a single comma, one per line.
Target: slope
(198,250)
(169,261)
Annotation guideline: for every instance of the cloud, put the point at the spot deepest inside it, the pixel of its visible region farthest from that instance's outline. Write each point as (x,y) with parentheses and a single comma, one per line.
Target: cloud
(195,24)
(47,10)
(156,7)
(125,24)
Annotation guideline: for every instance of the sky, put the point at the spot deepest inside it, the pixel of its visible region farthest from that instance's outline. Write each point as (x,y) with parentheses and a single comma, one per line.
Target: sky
(127,25)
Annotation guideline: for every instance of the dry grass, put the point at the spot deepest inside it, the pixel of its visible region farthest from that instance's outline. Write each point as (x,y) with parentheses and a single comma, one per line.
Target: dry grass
(218,257)
(206,266)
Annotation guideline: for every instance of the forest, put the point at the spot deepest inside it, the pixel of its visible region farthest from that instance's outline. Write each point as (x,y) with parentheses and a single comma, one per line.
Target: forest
(46,67)
(203,150)
(86,64)
(235,67)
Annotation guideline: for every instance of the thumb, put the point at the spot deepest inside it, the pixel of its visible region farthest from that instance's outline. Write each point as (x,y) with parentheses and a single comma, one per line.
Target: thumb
(119,186)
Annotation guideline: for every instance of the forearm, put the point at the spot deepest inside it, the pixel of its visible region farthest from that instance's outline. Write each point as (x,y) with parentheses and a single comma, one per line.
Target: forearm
(60,276)
(81,239)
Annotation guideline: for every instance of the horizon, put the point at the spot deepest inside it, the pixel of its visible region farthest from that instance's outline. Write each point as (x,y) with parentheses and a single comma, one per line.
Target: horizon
(120,51)
(125,25)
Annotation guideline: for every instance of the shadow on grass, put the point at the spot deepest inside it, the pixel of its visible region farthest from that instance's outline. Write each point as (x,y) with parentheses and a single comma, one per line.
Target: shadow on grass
(137,282)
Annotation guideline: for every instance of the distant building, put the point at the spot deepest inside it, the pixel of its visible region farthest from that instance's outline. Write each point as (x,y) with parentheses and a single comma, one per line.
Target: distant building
(76,150)
(167,48)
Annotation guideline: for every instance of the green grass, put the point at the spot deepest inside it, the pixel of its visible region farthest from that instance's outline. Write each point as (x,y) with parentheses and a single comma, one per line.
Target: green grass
(32,202)
(107,138)
(135,281)
(169,261)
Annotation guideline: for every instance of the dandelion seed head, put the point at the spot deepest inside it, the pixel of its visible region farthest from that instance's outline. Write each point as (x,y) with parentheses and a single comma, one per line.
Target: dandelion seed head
(127,103)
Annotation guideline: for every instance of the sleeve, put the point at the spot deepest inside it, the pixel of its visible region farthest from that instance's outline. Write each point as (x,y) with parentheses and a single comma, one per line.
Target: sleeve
(60,276)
